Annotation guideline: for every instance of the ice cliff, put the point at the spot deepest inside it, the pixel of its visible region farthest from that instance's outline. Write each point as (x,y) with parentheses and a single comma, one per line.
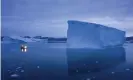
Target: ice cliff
(91,35)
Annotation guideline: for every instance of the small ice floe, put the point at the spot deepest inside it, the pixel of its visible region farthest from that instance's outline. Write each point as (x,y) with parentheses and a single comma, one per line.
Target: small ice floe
(127,69)
(97,61)
(77,70)
(18,67)
(8,70)
(22,70)
(89,71)
(113,72)
(93,77)
(14,75)
(38,66)
(88,79)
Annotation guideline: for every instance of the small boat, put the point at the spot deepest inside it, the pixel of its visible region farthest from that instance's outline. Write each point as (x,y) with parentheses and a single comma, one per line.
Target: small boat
(24,48)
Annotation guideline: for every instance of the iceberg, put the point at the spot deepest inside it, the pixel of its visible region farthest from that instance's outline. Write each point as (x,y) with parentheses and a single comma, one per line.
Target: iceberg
(91,35)
(27,39)
(20,39)
(7,39)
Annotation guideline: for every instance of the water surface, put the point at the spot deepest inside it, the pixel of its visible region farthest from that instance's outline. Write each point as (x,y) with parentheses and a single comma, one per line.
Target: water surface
(54,62)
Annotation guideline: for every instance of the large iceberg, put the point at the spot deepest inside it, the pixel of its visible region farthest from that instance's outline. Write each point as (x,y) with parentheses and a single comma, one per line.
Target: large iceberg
(91,35)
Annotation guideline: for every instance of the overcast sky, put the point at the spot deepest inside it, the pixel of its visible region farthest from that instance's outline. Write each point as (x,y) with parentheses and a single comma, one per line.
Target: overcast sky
(49,17)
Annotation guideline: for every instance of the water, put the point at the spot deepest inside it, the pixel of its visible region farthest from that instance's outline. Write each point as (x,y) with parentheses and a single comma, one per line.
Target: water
(54,62)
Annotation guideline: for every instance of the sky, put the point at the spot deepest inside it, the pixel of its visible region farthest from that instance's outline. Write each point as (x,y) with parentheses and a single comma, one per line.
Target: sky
(49,17)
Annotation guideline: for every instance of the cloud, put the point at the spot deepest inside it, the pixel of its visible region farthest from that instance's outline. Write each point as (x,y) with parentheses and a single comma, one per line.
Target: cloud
(58,27)
(49,17)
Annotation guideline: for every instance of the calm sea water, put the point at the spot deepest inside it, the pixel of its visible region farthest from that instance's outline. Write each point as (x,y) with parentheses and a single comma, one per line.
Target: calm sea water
(55,62)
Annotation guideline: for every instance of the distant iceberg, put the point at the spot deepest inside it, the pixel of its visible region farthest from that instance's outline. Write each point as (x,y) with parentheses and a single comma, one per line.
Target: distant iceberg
(7,39)
(91,35)
(27,39)
(20,39)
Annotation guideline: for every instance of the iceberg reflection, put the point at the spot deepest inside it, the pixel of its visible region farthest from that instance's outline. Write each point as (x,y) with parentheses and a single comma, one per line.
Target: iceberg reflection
(89,61)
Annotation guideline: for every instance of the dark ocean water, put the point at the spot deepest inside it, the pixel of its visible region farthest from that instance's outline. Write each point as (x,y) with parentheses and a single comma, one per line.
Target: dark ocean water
(55,62)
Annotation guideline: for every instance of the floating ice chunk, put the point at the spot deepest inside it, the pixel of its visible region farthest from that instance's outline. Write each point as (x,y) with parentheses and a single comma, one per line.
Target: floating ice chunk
(38,66)
(113,72)
(97,61)
(14,75)
(77,70)
(9,70)
(93,77)
(88,79)
(18,67)
(22,70)
(89,71)
(127,69)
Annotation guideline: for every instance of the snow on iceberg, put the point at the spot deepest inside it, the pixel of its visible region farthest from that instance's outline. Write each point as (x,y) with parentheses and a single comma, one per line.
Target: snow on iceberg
(91,35)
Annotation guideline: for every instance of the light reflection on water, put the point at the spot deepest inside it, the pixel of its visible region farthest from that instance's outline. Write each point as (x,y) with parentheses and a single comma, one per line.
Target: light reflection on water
(24,50)
(49,63)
